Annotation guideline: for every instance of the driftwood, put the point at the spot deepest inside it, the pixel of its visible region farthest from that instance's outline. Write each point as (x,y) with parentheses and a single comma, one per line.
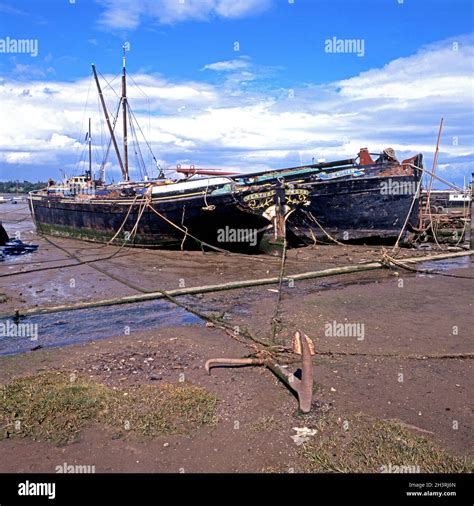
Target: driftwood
(233,285)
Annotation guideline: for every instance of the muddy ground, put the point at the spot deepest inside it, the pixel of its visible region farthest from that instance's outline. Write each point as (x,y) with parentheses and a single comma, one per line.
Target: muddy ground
(379,372)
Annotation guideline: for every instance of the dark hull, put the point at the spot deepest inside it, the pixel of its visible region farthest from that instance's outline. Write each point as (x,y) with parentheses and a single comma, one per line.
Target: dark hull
(98,221)
(357,210)
(348,203)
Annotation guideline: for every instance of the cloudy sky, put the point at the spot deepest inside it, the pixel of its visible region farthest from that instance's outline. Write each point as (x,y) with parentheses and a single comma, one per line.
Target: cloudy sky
(242,84)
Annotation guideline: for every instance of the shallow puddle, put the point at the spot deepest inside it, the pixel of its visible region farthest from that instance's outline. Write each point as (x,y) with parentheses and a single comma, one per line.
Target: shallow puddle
(444,265)
(71,327)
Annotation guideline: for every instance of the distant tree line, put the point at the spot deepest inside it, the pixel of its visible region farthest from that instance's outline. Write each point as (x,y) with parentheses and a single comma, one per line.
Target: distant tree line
(20,186)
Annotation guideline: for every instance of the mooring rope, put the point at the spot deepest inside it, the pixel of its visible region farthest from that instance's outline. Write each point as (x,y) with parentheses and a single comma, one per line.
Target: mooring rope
(465,219)
(123,222)
(275,320)
(185,227)
(310,214)
(82,262)
(220,250)
(387,260)
(207,207)
(99,269)
(433,229)
(416,195)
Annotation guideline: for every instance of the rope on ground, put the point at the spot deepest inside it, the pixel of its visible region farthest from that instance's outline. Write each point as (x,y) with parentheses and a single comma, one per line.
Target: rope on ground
(79,261)
(228,327)
(82,262)
(275,322)
(387,260)
(443,356)
(99,269)
(14,211)
(85,257)
(17,221)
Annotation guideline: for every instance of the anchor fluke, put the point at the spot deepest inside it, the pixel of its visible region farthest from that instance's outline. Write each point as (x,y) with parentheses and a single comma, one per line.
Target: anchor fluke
(301,345)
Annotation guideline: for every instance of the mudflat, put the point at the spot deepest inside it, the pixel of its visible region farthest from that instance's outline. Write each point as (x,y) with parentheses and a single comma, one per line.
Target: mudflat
(393,364)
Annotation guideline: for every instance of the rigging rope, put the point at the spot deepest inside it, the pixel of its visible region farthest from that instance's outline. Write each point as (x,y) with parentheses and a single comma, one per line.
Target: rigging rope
(143,135)
(149,116)
(416,195)
(84,114)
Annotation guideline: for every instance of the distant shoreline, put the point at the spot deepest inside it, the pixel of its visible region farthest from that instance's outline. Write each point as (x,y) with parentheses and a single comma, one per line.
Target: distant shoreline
(20,187)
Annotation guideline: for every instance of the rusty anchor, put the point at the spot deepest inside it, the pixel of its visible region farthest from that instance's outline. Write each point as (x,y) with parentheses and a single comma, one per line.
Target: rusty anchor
(301,345)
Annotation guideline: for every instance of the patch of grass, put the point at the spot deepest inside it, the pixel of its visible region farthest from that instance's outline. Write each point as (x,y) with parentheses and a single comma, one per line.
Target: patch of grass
(265,424)
(49,407)
(151,411)
(367,445)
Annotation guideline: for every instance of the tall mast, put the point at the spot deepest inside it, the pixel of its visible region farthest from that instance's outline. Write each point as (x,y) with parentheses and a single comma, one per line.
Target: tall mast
(111,130)
(89,173)
(124,105)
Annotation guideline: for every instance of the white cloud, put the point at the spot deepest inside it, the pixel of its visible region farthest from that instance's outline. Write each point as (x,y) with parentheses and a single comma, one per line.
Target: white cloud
(22,70)
(220,125)
(127,14)
(240,8)
(228,65)
(431,73)
(16,157)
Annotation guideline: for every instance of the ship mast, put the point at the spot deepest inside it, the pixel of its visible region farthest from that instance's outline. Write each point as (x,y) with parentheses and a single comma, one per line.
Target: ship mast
(124,105)
(89,172)
(111,130)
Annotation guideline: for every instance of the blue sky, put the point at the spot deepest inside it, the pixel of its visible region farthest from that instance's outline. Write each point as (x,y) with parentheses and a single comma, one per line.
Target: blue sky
(279,100)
